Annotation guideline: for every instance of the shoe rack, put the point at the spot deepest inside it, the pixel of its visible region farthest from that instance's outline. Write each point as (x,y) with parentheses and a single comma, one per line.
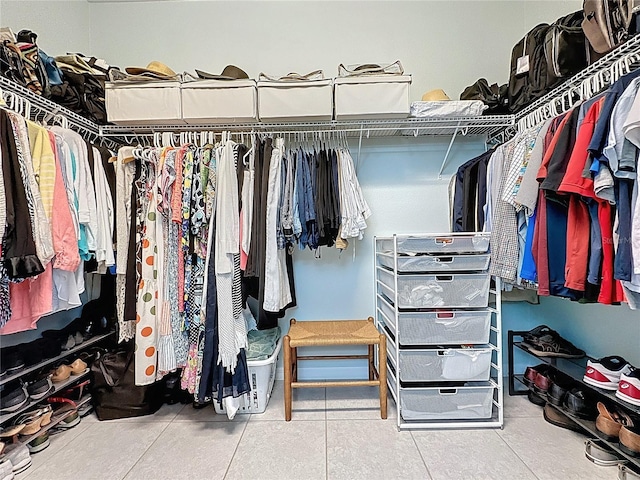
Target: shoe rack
(57,386)
(575,369)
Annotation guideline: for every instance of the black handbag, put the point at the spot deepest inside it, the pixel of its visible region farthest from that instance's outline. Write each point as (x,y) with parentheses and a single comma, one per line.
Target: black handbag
(114,393)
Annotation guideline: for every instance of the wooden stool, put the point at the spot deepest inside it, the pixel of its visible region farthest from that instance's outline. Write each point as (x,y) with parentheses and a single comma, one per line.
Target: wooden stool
(334,332)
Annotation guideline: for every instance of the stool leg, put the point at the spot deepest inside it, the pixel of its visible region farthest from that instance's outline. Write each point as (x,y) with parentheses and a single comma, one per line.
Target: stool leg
(371,364)
(382,375)
(294,362)
(287,379)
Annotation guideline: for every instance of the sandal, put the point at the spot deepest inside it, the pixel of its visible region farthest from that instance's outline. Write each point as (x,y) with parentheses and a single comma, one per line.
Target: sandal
(553,345)
(61,373)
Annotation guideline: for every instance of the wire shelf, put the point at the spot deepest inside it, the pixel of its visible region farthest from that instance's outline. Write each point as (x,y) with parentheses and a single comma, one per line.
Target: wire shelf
(384,127)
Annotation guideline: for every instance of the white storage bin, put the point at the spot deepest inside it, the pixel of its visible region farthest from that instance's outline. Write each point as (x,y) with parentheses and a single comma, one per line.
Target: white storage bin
(447,108)
(448,244)
(456,327)
(262,374)
(435,263)
(372,96)
(295,100)
(463,403)
(143,102)
(219,101)
(460,290)
(445,365)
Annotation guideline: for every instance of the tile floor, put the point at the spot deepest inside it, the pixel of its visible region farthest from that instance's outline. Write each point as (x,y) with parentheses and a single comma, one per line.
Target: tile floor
(336,433)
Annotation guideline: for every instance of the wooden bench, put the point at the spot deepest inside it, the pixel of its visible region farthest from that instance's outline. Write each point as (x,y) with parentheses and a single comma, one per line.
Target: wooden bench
(325,333)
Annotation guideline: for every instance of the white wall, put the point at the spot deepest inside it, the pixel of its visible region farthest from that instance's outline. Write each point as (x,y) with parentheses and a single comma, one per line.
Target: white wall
(443,44)
(62,25)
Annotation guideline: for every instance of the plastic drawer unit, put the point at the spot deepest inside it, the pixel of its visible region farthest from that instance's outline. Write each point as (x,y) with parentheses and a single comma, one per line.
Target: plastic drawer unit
(445,365)
(438,403)
(460,290)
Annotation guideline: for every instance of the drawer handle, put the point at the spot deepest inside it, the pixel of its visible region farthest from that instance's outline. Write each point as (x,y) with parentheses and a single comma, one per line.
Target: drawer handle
(444,259)
(441,315)
(446,353)
(448,391)
(442,241)
(444,278)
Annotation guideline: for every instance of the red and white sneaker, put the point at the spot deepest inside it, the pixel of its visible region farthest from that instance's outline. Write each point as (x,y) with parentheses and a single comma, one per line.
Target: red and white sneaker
(629,387)
(605,373)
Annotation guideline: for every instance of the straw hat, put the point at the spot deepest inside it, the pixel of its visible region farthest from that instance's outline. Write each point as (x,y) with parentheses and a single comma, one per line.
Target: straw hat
(435,96)
(154,68)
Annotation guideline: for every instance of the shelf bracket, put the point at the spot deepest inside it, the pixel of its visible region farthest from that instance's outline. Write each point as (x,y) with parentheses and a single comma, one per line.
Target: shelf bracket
(446,155)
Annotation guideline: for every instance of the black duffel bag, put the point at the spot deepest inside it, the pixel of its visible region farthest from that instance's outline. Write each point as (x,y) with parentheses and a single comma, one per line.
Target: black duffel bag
(493,96)
(114,392)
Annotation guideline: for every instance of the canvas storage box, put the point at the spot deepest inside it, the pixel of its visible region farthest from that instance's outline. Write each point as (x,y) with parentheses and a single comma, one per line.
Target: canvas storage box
(143,102)
(219,101)
(444,365)
(462,403)
(435,263)
(295,100)
(262,374)
(456,290)
(437,244)
(372,96)
(454,327)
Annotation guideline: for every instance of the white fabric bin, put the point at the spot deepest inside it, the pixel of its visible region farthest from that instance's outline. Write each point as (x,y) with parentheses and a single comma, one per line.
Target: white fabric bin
(463,403)
(372,96)
(295,100)
(262,375)
(143,102)
(445,365)
(219,101)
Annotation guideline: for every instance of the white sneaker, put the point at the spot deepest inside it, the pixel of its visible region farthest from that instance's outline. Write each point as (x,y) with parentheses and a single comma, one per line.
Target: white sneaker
(605,373)
(18,455)
(6,469)
(629,387)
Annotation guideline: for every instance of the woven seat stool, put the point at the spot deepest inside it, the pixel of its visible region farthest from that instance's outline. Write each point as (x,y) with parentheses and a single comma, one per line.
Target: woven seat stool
(325,333)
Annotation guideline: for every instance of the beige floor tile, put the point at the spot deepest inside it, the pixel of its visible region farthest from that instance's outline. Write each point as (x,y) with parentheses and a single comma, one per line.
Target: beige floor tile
(372,449)
(469,454)
(519,406)
(551,452)
(280,451)
(189,451)
(104,451)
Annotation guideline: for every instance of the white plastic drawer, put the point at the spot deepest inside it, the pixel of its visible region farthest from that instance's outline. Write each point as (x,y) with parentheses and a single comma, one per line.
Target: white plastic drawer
(445,365)
(463,403)
(435,263)
(461,327)
(471,243)
(459,290)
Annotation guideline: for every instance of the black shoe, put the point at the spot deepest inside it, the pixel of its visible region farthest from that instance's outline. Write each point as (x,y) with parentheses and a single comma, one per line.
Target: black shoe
(13,399)
(580,404)
(40,388)
(12,360)
(558,391)
(536,399)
